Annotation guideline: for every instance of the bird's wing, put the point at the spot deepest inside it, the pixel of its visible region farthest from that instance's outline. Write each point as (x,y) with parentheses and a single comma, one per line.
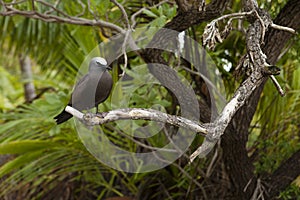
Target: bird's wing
(91,90)
(80,85)
(87,93)
(103,88)
(82,81)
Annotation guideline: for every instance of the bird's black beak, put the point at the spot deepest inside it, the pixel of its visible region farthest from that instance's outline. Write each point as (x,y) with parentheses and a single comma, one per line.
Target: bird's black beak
(108,68)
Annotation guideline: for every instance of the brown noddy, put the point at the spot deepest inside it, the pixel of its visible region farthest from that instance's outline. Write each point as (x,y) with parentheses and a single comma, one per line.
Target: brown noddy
(91,90)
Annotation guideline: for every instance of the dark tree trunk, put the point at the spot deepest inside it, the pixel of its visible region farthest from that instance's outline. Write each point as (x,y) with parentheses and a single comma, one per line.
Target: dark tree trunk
(234,176)
(284,175)
(239,167)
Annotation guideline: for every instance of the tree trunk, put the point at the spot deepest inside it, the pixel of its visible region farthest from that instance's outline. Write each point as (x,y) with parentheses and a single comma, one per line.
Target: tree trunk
(237,162)
(26,71)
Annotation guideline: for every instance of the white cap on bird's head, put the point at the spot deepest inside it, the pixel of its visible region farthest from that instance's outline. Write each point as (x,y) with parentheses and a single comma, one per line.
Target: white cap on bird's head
(98,63)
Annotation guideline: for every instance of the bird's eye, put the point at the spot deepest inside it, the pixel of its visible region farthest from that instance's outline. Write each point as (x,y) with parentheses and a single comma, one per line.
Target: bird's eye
(98,63)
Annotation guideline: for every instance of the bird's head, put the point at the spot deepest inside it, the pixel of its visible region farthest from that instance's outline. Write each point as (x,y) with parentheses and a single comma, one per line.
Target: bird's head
(98,64)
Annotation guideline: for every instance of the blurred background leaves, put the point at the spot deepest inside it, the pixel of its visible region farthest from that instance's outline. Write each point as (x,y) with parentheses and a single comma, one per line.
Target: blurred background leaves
(43,161)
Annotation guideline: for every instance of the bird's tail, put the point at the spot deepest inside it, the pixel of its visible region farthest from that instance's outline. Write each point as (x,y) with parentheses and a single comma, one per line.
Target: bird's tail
(62,117)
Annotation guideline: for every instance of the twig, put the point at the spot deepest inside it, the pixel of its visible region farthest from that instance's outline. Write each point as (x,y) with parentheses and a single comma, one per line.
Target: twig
(259,191)
(247,185)
(90,9)
(277,85)
(203,150)
(124,51)
(212,34)
(192,179)
(262,23)
(15,3)
(234,15)
(212,162)
(10,11)
(122,9)
(83,9)
(3,5)
(54,7)
(283,28)
(56,3)
(125,16)
(212,131)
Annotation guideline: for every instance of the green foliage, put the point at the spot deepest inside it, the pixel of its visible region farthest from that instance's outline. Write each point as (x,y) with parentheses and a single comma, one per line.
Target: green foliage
(160,15)
(11,93)
(278,117)
(292,192)
(47,151)
(46,158)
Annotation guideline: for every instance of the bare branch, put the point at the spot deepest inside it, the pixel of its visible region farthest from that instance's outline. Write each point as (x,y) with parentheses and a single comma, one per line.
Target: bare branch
(234,15)
(54,7)
(125,16)
(212,34)
(259,191)
(91,10)
(218,127)
(122,9)
(283,28)
(14,2)
(3,5)
(263,24)
(277,85)
(83,9)
(8,10)
(136,114)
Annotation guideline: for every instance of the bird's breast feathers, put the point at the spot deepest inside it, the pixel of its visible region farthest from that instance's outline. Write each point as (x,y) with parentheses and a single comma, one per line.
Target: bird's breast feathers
(94,89)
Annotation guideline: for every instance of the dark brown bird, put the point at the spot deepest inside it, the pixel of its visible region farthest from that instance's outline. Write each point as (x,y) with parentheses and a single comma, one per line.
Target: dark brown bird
(91,90)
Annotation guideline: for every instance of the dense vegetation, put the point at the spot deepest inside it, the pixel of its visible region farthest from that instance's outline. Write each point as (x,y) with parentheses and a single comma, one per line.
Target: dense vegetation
(40,160)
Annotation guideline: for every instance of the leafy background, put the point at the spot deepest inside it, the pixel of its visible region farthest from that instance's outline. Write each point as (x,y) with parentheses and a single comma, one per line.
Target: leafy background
(42,161)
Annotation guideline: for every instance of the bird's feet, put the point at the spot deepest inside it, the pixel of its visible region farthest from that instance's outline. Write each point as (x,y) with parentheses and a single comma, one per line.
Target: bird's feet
(101,115)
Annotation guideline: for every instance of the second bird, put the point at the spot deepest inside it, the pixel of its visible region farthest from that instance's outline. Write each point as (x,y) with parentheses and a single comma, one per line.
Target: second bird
(91,90)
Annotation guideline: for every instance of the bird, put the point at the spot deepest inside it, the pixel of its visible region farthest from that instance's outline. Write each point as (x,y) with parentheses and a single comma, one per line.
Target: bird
(91,90)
